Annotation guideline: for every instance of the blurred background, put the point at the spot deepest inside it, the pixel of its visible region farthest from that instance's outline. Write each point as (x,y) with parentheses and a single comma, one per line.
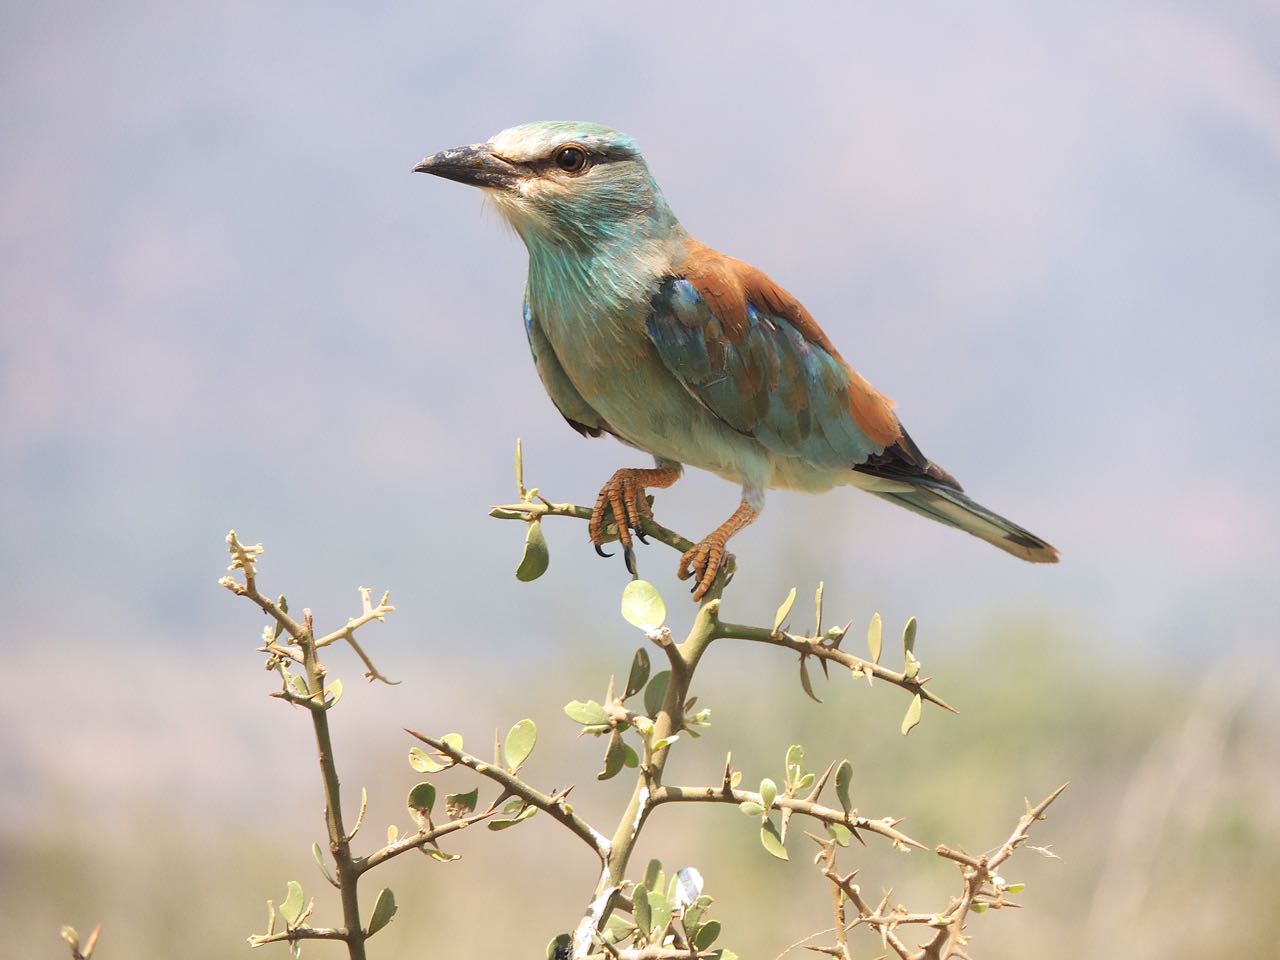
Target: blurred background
(1050,232)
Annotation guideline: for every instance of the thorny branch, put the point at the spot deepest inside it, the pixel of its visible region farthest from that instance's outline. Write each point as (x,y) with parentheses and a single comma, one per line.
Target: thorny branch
(591,940)
(824,648)
(553,805)
(983,889)
(650,792)
(308,689)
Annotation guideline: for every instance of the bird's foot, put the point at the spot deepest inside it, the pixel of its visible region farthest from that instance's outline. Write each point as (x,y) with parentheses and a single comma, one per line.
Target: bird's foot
(703,561)
(623,497)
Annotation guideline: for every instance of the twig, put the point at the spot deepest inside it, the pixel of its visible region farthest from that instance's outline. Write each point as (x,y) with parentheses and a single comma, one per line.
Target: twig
(553,806)
(884,827)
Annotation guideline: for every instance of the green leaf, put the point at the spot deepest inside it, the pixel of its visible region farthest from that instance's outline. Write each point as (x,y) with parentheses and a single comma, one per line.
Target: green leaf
(693,913)
(784,610)
(640,908)
(333,692)
(588,712)
(393,833)
(795,761)
(319,855)
(639,675)
(536,557)
(560,947)
(642,605)
(421,799)
(751,808)
(519,744)
(768,793)
(913,715)
(453,741)
(423,762)
(875,637)
(617,928)
(805,682)
(460,804)
(384,908)
(1015,888)
(654,877)
(707,934)
(659,914)
(771,841)
(840,833)
(725,954)
(665,742)
(614,757)
(844,777)
(909,636)
(655,692)
(524,814)
(978,907)
(911,666)
(630,759)
(291,908)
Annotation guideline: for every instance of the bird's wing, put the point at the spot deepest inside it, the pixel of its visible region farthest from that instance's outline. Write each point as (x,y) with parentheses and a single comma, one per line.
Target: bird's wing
(753,356)
(556,382)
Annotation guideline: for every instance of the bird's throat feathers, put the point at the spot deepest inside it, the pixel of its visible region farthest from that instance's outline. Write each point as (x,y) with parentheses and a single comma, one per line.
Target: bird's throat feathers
(608,246)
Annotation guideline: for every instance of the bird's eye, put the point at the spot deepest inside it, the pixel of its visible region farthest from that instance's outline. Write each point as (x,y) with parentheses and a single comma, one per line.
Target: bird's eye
(571,159)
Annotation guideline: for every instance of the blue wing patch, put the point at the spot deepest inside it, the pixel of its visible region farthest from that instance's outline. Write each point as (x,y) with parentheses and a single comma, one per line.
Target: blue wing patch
(769,383)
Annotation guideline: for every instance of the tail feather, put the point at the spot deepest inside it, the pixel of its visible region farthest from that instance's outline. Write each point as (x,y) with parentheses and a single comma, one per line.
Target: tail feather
(950,506)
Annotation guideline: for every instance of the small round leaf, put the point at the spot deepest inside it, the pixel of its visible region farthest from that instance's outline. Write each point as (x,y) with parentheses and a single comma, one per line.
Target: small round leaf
(913,715)
(768,793)
(291,908)
(536,557)
(771,841)
(384,908)
(421,798)
(519,743)
(642,605)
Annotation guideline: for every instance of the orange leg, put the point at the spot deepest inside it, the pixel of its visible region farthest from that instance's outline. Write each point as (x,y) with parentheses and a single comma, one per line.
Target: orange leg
(624,496)
(703,560)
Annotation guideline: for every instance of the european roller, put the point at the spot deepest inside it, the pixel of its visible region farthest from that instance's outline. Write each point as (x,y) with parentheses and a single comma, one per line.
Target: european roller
(639,331)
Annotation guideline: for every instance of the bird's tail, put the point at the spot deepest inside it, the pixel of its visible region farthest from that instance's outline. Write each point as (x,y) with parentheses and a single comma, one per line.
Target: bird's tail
(946,505)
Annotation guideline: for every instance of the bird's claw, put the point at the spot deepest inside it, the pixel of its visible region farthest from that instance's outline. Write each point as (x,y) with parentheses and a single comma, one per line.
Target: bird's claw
(701,563)
(629,558)
(622,498)
(600,551)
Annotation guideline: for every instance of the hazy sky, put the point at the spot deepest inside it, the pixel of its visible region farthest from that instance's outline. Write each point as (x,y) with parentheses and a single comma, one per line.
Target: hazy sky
(1051,232)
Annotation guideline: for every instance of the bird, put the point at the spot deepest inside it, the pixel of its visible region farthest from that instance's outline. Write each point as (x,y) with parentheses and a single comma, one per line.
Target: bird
(641,332)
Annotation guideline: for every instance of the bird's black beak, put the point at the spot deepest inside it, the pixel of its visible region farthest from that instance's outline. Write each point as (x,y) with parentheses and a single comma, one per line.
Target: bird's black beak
(476,165)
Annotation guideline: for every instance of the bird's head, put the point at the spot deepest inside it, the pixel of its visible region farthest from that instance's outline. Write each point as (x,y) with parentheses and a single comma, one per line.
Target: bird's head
(561,182)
